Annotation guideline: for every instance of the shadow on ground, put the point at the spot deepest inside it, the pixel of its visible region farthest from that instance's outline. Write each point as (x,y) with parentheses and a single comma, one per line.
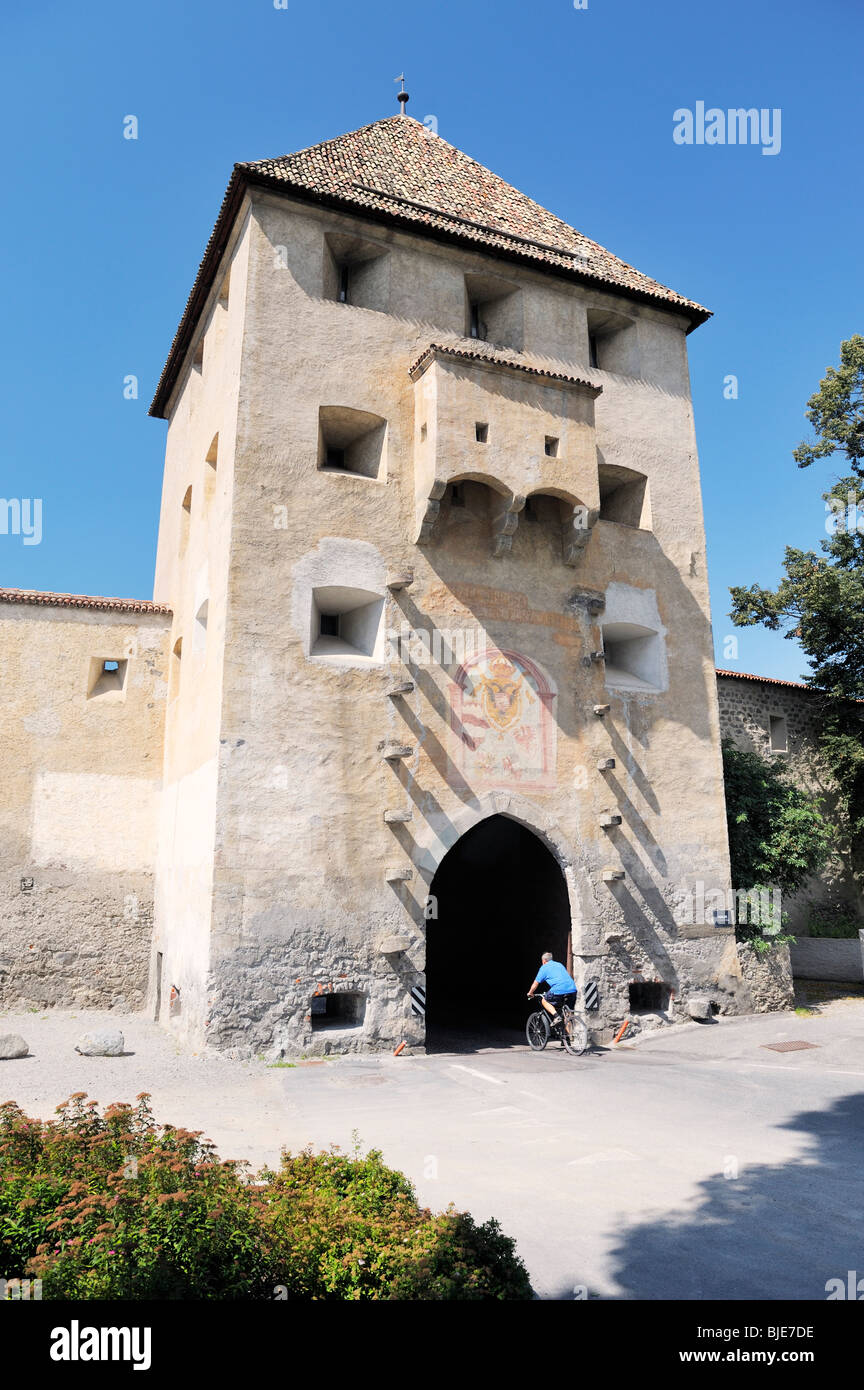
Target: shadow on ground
(776,1231)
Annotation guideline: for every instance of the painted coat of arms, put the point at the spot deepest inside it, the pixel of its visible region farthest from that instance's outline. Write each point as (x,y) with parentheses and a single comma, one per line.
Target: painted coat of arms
(503,718)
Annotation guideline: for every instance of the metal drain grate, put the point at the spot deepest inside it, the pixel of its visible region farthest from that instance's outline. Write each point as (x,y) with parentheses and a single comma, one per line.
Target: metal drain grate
(788,1046)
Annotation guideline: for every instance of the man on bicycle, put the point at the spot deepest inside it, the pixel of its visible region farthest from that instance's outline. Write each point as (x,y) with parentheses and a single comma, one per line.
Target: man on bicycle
(562,987)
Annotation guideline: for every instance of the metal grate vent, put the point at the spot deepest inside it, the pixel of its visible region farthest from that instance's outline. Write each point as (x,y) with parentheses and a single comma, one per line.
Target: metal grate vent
(787,1046)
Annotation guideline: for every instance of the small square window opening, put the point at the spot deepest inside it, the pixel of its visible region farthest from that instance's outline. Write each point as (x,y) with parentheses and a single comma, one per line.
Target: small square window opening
(551,447)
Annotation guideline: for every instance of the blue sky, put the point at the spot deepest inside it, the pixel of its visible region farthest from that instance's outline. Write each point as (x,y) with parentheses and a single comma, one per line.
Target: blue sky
(102,236)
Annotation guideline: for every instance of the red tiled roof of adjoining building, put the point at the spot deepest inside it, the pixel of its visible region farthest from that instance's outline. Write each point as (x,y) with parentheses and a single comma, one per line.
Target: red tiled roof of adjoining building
(766,680)
(398,172)
(772,680)
(115,605)
(495,360)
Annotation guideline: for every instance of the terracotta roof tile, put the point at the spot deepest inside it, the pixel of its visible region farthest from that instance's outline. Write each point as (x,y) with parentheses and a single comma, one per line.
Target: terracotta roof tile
(398,166)
(397,171)
(51,600)
(495,359)
(765,680)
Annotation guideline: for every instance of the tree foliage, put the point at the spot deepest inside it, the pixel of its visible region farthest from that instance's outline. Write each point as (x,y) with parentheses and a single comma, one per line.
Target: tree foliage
(778,836)
(819,601)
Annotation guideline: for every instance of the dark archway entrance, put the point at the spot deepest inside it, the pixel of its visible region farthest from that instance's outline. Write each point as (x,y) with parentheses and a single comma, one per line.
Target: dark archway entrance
(502,900)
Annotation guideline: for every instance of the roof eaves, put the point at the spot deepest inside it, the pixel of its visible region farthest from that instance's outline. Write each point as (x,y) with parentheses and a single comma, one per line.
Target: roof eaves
(47,599)
(493,360)
(246,174)
(766,680)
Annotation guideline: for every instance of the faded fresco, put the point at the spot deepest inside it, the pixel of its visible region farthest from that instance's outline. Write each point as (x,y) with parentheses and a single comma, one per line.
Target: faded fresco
(503,718)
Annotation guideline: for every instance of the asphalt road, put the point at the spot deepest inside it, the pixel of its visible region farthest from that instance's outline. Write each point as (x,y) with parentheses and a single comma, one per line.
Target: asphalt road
(693,1164)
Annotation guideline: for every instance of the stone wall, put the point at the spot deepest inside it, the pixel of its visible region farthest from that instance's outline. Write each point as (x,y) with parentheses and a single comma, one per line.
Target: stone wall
(746,705)
(80,764)
(768,978)
(821,958)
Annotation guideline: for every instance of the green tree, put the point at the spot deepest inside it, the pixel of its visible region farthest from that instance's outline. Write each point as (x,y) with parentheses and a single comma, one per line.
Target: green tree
(819,602)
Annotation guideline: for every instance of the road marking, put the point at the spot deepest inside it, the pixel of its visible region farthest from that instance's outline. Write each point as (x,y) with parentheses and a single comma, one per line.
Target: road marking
(605,1156)
(501,1110)
(533,1095)
(802,1071)
(484,1076)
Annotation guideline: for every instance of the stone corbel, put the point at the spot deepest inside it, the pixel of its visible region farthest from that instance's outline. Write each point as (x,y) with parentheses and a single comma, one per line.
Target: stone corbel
(577,532)
(504,523)
(432,511)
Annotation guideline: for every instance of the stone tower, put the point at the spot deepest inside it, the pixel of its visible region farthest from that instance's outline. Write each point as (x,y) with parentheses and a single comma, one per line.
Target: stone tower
(441,691)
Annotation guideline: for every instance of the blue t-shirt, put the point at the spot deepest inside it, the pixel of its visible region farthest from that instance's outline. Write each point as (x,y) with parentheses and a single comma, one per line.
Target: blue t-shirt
(555,976)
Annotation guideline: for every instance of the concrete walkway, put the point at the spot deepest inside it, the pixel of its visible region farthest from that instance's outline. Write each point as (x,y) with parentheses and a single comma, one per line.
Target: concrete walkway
(692,1164)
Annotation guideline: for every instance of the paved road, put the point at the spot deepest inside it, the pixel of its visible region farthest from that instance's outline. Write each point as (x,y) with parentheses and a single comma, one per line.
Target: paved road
(694,1164)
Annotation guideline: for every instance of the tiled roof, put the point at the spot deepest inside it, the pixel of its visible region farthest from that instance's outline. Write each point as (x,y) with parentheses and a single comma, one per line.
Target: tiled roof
(115,605)
(438,350)
(765,680)
(396,171)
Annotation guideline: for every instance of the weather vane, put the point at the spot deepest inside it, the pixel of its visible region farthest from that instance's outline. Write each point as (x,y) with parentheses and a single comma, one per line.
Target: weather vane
(401,95)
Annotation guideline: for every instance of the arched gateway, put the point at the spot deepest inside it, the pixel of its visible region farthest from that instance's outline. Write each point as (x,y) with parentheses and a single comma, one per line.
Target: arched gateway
(501,900)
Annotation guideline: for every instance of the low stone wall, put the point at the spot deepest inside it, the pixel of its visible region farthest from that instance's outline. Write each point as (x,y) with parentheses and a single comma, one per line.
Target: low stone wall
(75,941)
(768,978)
(826,958)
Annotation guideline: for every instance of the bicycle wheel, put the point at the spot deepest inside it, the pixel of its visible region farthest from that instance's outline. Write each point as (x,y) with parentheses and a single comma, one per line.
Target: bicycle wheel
(574,1034)
(537,1031)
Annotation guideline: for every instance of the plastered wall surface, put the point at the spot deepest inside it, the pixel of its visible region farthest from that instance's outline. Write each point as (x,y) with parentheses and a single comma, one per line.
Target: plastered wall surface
(81,775)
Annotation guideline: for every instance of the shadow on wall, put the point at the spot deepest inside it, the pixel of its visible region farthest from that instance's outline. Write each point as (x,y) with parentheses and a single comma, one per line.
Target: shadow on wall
(777,1231)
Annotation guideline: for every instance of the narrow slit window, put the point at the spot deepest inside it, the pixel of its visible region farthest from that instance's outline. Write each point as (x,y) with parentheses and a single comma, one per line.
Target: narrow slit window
(476,324)
(481,432)
(551,447)
(334,458)
(422,434)
(329,625)
(593,359)
(778,733)
(344,282)
(176,658)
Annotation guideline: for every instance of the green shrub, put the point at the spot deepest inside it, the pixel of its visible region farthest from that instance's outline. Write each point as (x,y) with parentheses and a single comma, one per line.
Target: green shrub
(778,836)
(838,924)
(116,1206)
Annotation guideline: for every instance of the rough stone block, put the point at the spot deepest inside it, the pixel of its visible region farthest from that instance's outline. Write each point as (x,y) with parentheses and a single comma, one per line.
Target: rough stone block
(393,750)
(394,945)
(699,1006)
(102,1042)
(12,1045)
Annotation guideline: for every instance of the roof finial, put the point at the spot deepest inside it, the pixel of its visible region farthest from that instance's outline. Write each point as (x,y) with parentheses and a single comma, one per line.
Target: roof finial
(401,95)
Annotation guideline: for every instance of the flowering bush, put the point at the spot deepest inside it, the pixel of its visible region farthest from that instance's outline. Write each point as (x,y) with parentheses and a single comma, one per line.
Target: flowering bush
(115,1206)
